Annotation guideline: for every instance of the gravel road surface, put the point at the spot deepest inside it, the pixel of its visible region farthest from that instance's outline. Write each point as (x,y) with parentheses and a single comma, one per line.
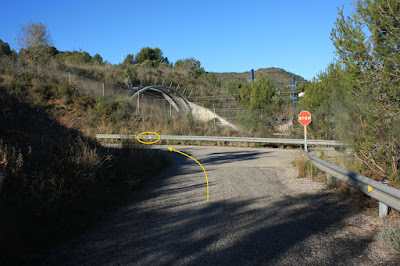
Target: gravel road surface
(259,213)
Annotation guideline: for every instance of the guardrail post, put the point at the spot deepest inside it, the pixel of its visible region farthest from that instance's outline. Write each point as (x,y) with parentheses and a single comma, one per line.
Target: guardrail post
(383,208)
(329,179)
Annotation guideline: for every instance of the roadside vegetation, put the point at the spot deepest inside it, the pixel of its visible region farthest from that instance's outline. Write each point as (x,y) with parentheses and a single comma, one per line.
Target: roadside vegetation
(280,77)
(54,181)
(356,100)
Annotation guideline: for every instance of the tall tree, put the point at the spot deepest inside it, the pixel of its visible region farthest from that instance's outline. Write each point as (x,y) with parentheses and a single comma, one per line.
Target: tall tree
(129,60)
(368,46)
(97,60)
(4,48)
(32,38)
(261,93)
(149,54)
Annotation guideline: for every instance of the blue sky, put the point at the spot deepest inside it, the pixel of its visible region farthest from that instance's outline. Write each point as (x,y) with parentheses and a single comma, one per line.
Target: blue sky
(225,36)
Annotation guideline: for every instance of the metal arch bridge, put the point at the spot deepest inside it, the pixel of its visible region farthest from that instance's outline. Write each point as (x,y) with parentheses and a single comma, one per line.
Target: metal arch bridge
(176,99)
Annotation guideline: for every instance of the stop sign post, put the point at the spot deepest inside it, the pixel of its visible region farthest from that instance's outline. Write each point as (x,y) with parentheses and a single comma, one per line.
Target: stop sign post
(305,119)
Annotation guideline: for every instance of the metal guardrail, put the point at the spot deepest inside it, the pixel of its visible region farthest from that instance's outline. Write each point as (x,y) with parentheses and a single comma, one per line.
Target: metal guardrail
(387,196)
(216,138)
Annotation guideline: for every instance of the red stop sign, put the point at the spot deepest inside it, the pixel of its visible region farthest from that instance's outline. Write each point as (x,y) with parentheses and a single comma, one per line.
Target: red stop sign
(305,118)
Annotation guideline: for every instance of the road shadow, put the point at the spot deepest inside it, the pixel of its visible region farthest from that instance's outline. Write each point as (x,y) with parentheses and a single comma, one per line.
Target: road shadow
(216,158)
(232,156)
(292,230)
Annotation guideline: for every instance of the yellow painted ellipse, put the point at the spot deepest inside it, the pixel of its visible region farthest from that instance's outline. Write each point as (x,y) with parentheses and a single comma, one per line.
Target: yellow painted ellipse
(147,142)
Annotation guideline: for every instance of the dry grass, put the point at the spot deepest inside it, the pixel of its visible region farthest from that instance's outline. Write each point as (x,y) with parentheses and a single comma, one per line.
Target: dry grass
(11,164)
(306,169)
(54,181)
(301,165)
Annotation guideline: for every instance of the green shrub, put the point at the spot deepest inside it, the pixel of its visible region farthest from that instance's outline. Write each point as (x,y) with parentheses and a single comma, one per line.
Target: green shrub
(84,102)
(40,93)
(149,64)
(67,93)
(121,110)
(102,108)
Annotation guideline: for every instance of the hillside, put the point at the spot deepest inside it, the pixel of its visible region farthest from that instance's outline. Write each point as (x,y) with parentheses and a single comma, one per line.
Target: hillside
(55,180)
(280,77)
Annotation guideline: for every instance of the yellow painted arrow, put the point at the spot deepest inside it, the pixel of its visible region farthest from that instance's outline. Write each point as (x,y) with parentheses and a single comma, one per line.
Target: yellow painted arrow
(172,149)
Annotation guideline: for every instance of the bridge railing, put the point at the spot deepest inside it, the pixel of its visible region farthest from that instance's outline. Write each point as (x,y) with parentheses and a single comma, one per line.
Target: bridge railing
(298,142)
(386,195)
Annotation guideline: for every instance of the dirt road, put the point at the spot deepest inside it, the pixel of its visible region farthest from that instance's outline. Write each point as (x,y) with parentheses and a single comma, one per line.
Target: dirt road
(259,213)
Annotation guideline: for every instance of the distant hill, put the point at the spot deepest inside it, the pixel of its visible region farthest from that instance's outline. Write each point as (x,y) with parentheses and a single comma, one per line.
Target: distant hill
(279,76)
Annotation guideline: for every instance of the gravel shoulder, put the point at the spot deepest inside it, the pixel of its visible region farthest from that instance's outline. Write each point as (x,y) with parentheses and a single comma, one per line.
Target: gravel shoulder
(259,213)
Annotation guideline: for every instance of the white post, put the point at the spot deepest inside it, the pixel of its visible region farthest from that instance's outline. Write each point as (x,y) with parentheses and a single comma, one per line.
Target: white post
(383,209)
(329,179)
(103,91)
(305,138)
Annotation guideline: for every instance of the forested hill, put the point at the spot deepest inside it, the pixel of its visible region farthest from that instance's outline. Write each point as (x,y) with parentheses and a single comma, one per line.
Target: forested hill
(280,77)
